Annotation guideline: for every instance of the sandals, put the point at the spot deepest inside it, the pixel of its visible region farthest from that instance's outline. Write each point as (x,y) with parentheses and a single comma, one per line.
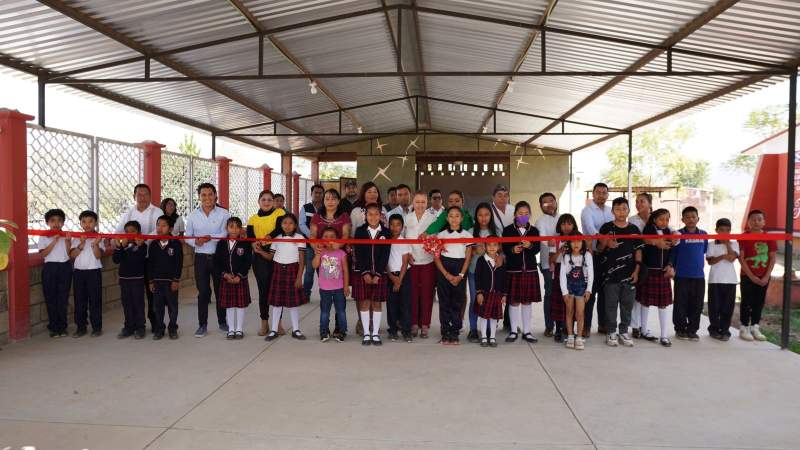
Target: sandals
(298,335)
(492,342)
(484,342)
(530,338)
(512,337)
(665,342)
(271,336)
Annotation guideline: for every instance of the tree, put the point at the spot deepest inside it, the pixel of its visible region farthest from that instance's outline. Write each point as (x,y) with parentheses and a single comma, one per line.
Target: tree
(762,122)
(334,170)
(657,160)
(188,146)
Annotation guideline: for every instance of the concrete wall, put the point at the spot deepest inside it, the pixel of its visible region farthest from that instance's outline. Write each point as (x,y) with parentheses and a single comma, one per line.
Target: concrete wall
(111,294)
(539,175)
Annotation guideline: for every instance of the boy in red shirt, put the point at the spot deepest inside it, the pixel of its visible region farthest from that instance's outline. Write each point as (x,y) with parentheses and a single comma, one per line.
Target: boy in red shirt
(757,259)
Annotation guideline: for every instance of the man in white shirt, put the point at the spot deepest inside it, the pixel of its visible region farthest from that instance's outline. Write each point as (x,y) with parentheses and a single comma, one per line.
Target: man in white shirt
(147,215)
(206,222)
(546,224)
(502,212)
(594,216)
(403,201)
(437,202)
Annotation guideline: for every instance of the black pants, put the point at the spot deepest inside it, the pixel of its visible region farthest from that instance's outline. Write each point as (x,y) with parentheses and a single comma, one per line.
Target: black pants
(398,307)
(204,277)
(88,289)
(56,281)
(689,293)
(721,300)
(753,297)
(151,316)
(599,297)
(262,269)
(132,292)
(451,298)
(164,296)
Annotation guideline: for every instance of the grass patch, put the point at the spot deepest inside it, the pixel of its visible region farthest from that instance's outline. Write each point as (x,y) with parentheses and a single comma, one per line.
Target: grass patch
(771,327)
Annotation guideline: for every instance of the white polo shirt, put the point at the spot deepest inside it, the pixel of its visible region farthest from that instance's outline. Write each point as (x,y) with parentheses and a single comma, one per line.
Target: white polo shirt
(59,252)
(86,259)
(724,271)
(396,253)
(147,218)
(502,219)
(546,224)
(287,252)
(455,250)
(415,227)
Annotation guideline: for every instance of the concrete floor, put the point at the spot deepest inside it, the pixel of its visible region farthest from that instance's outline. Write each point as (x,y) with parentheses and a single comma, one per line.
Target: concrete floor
(210,393)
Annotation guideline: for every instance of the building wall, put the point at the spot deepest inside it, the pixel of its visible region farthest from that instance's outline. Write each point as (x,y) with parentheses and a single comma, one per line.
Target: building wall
(111,294)
(548,174)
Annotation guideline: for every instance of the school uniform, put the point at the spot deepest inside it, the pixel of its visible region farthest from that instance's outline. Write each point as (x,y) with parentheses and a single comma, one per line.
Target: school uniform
(261,225)
(452,299)
(722,283)
(88,286)
(490,281)
(132,260)
(656,289)
(147,222)
(371,259)
(399,304)
(286,259)
(234,257)
(165,264)
(56,282)
(688,258)
(523,271)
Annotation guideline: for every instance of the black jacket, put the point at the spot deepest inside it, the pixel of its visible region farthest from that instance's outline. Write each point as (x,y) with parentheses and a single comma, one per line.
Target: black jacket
(165,264)
(525,261)
(488,279)
(234,260)
(371,258)
(132,261)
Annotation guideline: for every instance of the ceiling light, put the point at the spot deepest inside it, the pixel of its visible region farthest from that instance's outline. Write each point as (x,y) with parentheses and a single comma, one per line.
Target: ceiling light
(313,86)
(484,129)
(360,130)
(510,85)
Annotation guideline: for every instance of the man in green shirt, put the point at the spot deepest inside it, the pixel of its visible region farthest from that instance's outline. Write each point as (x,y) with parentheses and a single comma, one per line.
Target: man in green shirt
(456,198)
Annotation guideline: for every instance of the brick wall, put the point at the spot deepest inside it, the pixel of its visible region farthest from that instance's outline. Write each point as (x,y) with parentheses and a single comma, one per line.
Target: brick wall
(111,294)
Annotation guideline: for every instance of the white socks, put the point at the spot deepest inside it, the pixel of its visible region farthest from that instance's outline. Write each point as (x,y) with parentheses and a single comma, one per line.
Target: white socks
(276,317)
(230,316)
(235,318)
(636,314)
(364,321)
(482,327)
(492,328)
(514,317)
(240,320)
(527,310)
(376,323)
(643,313)
(663,320)
(294,313)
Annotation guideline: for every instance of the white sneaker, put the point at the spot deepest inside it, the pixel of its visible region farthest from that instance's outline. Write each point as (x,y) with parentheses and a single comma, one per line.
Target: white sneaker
(570,342)
(756,332)
(626,340)
(744,333)
(611,340)
(579,343)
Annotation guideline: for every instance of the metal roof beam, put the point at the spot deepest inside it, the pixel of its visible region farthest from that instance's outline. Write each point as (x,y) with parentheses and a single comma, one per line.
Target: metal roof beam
(397,46)
(106,30)
(693,25)
(421,64)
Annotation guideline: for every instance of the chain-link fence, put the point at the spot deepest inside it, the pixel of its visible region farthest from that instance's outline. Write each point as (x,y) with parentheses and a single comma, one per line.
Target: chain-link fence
(120,169)
(245,185)
(305,190)
(180,176)
(278,184)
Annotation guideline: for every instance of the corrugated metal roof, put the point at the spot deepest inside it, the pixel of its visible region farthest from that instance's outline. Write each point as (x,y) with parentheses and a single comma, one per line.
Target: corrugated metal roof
(763,30)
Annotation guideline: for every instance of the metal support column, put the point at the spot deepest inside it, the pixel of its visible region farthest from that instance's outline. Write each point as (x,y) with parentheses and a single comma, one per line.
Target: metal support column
(213,145)
(787,257)
(41,113)
(630,163)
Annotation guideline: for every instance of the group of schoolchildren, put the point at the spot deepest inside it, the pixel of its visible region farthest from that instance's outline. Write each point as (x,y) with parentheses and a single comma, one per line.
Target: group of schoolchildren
(631,275)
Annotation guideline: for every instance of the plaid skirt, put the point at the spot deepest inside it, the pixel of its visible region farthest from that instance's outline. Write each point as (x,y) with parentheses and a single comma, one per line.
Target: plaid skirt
(656,290)
(375,292)
(558,309)
(282,291)
(234,295)
(492,307)
(523,287)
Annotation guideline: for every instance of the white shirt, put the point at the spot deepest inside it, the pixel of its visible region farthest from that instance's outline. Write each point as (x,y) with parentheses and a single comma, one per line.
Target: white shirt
(577,261)
(358,217)
(59,252)
(546,224)
(147,218)
(399,210)
(179,227)
(454,250)
(395,263)
(86,259)
(502,219)
(199,224)
(638,221)
(489,260)
(722,272)
(435,212)
(415,227)
(287,252)
(592,218)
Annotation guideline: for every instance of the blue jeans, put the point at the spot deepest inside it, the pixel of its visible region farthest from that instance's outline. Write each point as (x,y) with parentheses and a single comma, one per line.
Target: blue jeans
(548,283)
(473,318)
(308,276)
(335,298)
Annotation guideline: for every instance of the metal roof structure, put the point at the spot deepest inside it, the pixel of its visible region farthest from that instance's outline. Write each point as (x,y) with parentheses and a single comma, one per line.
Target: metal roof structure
(553,72)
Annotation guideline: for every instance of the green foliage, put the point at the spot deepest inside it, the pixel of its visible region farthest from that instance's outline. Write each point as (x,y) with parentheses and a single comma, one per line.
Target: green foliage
(767,121)
(657,160)
(6,238)
(188,146)
(741,163)
(721,194)
(335,170)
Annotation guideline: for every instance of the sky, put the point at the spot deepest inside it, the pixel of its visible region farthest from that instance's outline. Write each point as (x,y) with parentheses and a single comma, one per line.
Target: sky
(718,131)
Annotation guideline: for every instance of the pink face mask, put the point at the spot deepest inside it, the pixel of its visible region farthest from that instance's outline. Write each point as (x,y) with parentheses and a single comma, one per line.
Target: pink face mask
(522,220)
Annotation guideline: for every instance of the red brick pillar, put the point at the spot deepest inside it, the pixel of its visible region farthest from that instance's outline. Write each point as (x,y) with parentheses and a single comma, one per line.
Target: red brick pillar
(152,169)
(296,193)
(267,177)
(14,207)
(286,171)
(223,178)
(315,170)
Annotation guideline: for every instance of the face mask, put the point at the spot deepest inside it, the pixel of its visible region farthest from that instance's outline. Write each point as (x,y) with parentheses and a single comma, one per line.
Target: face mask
(522,220)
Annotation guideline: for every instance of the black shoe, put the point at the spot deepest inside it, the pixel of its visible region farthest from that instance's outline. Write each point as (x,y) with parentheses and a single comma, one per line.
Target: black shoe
(138,334)
(124,334)
(473,336)
(492,342)
(548,332)
(298,335)
(173,335)
(376,340)
(725,337)
(324,336)
(339,336)
(512,337)
(96,333)
(682,335)
(693,336)
(271,336)
(484,342)
(53,334)
(393,337)
(530,338)
(455,340)
(366,340)
(715,335)
(407,337)
(239,335)
(558,337)
(158,335)
(636,333)
(62,333)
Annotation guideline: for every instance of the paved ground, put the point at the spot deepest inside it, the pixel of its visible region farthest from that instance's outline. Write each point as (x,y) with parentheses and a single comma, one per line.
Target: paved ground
(103,393)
